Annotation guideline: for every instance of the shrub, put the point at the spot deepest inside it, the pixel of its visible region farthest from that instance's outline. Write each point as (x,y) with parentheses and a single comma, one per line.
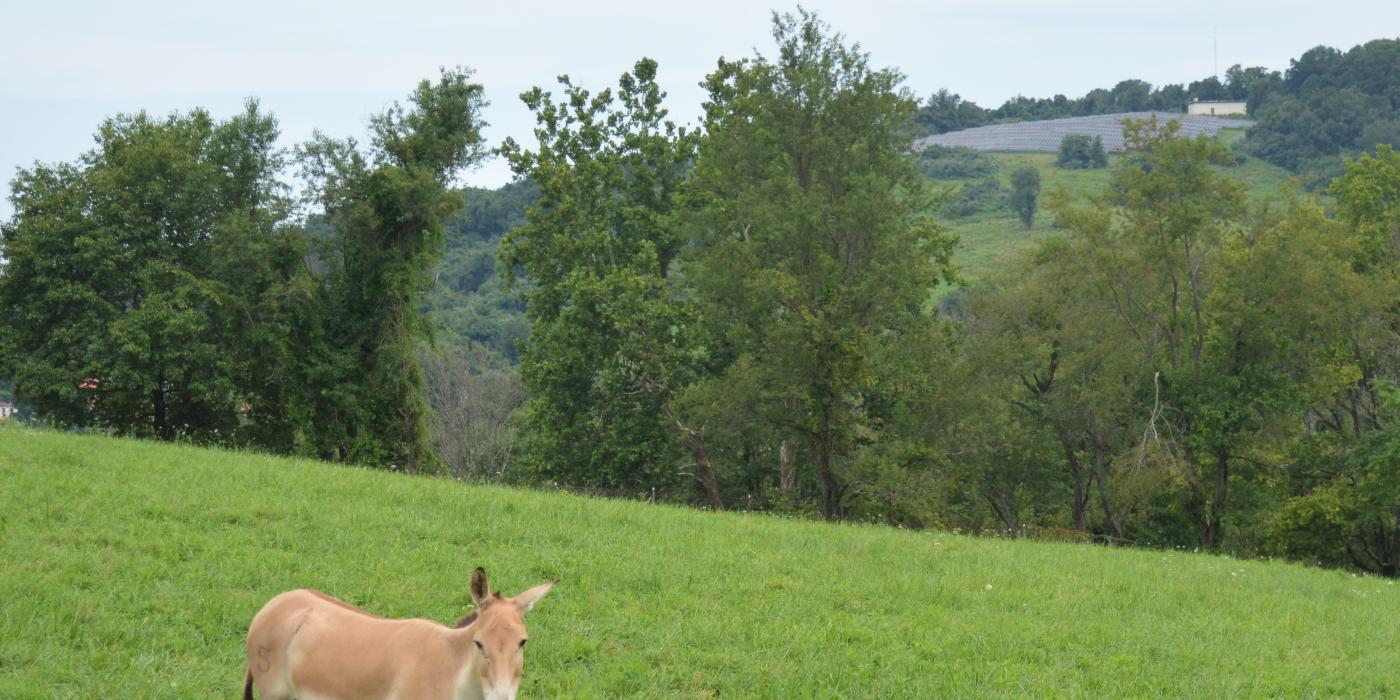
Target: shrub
(979,196)
(1025,190)
(955,163)
(1081,152)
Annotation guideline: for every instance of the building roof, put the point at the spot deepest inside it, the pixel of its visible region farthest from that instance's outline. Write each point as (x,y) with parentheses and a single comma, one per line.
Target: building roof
(1045,136)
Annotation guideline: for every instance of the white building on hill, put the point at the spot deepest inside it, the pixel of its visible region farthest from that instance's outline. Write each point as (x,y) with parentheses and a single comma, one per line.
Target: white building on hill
(1216,108)
(7,409)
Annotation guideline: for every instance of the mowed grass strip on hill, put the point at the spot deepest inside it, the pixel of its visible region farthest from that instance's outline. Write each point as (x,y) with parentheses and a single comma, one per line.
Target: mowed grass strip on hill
(130,569)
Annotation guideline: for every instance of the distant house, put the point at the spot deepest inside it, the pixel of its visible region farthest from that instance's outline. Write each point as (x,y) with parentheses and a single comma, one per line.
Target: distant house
(1216,108)
(7,409)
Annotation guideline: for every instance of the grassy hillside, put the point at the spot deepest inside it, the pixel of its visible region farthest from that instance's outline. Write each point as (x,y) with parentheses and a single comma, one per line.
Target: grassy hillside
(990,240)
(131,569)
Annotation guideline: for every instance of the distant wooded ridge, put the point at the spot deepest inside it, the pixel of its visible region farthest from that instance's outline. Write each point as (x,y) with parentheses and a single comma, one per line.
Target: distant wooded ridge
(1328,103)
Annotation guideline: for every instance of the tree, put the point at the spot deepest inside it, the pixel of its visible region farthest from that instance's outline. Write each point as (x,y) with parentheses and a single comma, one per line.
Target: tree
(473,396)
(1025,191)
(1131,96)
(386,208)
(611,338)
(1328,104)
(1221,319)
(1081,151)
(945,111)
(1341,505)
(143,285)
(816,244)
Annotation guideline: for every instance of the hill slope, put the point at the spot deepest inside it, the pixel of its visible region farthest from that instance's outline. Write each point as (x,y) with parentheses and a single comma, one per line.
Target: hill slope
(1045,135)
(132,569)
(990,241)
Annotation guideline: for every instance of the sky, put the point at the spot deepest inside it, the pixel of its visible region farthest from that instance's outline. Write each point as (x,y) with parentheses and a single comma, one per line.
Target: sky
(64,66)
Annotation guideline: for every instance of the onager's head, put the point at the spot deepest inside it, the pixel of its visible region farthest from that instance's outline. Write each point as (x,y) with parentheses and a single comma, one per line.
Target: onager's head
(499,635)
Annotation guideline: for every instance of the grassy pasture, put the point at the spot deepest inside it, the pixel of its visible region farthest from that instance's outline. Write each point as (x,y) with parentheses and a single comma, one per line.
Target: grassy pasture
(130,569)
(991,240)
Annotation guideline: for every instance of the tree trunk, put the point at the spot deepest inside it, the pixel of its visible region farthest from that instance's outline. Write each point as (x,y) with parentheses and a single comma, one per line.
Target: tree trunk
(1391,567)
(787,458)
(164,430)
(1110,515)
(787,476)
(1210,538)
(1080,505)
(831,497)
(696,444)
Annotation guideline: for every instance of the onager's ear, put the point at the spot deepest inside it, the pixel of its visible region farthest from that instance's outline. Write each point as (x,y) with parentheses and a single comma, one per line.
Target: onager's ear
(526,600)
(481,590)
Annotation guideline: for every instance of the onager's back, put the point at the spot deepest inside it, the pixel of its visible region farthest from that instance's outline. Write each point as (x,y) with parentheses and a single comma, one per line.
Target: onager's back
(307,645)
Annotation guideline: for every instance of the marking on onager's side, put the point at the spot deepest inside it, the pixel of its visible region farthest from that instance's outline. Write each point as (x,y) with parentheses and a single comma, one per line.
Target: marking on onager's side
(306,645)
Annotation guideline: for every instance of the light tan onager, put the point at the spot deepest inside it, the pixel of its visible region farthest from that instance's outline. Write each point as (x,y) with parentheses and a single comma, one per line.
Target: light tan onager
(306,645)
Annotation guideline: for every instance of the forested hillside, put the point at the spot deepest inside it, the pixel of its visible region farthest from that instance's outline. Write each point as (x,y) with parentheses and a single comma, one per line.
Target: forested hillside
(780,308)
(468,300)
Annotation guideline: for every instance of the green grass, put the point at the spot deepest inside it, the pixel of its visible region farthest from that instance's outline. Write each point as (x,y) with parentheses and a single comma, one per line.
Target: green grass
(992,240)
(130,569)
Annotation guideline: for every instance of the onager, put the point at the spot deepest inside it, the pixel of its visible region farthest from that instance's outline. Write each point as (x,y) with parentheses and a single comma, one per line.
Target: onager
(306,645)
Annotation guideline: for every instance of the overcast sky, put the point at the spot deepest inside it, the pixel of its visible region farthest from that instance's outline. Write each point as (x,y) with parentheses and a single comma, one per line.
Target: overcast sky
(66,65)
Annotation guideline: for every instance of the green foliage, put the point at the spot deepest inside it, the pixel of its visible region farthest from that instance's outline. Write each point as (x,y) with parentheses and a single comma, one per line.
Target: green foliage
(994,239)
(145,285)
(815,248)
(155,287)
(1328,104)
(980,196)
(945,111)
(387,207)
(469,300)
(1341,501)
(1369,201)
(1081,151)
(132,570)
(488,214)
(611,339)
(1025,192)
(1204,377)
(955,162)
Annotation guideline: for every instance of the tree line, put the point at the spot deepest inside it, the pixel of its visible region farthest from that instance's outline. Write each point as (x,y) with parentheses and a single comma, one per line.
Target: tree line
(161,287)
(739,314)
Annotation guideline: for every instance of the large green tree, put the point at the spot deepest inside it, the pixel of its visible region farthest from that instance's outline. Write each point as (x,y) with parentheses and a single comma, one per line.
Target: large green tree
(816,247)
(386,207)
(612,338)
(1342,505)
(140,282)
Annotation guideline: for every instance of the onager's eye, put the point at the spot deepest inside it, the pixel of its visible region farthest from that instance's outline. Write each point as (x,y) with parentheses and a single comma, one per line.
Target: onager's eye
(479,646)
(522,643)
